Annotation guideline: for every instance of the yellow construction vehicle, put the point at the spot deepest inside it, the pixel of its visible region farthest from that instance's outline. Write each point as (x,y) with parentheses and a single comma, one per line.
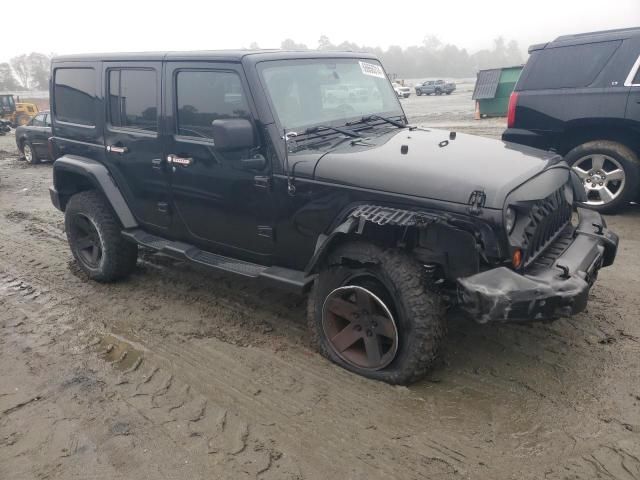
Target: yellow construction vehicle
(16,113)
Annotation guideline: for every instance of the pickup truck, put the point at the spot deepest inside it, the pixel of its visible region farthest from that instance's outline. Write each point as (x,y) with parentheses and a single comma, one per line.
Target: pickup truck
(435,87)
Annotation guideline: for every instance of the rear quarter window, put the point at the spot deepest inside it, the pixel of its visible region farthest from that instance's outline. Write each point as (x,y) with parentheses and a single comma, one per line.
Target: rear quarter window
(74,95)
(573,66)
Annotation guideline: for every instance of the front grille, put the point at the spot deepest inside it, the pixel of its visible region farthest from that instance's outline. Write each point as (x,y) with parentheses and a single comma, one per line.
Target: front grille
(547,220)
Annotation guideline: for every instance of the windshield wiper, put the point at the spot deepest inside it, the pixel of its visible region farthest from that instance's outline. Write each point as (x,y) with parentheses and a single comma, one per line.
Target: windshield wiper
(341,130)
(395,123)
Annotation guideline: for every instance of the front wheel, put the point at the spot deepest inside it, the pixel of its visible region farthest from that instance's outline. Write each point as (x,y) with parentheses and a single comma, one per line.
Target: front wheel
(94,235)
(30,155)
(375,316)
(609,172)
(418,92)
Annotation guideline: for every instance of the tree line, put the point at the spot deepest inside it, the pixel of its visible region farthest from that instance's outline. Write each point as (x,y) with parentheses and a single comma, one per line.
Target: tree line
(432,58)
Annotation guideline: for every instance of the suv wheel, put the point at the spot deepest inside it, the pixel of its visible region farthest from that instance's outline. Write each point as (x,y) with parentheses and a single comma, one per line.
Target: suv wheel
(29,153)
(375,316)
(94,235)
(418,92)
(609,172)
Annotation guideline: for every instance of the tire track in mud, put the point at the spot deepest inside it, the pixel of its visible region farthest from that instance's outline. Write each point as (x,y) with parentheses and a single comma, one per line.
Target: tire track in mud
(223,439)
(278,396)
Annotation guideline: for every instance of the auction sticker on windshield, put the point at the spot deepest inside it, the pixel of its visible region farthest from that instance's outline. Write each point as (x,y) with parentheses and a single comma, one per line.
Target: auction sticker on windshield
(372,69)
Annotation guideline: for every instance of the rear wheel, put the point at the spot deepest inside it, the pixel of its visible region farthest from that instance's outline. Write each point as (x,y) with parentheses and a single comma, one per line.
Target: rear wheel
(94,235)
(376,317)
(609,172)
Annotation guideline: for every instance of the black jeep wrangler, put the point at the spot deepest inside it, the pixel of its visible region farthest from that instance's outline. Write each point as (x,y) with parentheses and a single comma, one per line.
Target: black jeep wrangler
(580,96)
(241,161)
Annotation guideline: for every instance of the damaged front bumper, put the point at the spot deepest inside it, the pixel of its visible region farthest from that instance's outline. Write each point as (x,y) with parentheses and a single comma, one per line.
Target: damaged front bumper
(561,289)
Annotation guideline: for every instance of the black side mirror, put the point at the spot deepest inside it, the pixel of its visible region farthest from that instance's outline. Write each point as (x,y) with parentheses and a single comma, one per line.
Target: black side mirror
(233,134)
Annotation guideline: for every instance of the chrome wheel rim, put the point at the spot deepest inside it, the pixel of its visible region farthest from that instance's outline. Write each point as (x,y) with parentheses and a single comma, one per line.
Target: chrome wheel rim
(28,154)
(359,328)
(602,176)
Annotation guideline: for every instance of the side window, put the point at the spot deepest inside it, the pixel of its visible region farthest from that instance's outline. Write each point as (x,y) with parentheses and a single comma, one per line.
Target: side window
(567,67)
(636,79)
(38,120)
(74,95)
(133,99)
(47,120)
(204,96)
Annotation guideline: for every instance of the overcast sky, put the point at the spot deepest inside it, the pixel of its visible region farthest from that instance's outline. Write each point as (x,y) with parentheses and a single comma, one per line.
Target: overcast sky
(70,26)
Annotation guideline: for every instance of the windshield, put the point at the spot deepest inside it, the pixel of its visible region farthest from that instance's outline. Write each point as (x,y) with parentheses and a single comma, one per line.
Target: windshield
(327,91)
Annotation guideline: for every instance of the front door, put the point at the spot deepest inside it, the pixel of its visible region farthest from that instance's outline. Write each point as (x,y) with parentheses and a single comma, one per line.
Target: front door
(132,140)
(221,203)
(39,133)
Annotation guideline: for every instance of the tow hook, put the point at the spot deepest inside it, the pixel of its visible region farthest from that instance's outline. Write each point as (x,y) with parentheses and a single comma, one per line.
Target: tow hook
(565,271)
(599,228)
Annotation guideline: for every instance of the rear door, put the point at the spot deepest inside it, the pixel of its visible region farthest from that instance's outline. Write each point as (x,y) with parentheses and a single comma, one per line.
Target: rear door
(133,139)
(633,103)
(220,204)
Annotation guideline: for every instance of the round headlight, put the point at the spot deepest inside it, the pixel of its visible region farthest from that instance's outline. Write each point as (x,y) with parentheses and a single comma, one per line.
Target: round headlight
(510,220)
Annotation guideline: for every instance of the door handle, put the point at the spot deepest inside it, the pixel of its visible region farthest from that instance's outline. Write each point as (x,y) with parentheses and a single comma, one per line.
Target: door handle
(156,163)
(176,160)
(117,149)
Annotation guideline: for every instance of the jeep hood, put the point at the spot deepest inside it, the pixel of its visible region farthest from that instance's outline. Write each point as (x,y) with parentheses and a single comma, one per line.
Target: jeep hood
(434,166)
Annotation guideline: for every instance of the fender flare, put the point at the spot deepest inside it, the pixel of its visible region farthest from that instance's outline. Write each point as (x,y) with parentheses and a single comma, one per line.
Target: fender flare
(357,216)
(99,178)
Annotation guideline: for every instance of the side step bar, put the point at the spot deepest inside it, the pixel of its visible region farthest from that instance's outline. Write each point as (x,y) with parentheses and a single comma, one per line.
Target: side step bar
(290,279)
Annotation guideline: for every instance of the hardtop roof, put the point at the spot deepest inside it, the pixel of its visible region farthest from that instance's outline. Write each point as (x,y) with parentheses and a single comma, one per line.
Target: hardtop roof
(211,55)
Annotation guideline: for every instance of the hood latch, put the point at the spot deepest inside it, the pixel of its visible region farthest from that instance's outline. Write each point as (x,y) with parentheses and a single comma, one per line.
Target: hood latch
(477,199)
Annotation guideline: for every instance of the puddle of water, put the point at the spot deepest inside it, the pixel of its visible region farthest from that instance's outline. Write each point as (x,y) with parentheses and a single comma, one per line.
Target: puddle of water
(121,354)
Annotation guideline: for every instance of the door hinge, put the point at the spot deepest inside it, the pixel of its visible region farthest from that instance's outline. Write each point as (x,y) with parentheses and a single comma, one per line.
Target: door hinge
(477,199)
(262,181)
(265,231)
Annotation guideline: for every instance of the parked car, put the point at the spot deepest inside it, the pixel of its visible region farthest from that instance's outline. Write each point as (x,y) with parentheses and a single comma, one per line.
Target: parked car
(32,138)
(401,90)
(435,87)
(385,224)
(579,95)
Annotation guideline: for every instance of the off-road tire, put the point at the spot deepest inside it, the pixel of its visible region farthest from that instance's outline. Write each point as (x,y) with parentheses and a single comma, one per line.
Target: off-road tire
(625,156)
(34,155)
(419,311)
(119,256)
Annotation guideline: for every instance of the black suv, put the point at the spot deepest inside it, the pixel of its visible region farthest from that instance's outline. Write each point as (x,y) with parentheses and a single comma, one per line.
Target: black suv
(580,96)
(241,161)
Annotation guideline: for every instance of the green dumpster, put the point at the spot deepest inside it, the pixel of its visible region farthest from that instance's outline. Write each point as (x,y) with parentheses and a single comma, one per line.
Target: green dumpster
(493,89)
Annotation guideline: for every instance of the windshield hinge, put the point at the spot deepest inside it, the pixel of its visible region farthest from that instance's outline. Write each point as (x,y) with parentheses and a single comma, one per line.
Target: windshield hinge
(477,200)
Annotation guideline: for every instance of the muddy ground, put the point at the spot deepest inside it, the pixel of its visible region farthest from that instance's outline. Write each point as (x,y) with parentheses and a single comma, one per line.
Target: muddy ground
(178,373)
